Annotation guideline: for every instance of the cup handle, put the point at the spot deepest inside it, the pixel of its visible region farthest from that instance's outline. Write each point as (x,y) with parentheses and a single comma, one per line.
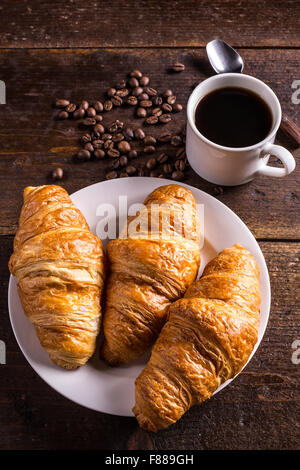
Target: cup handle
(284,156)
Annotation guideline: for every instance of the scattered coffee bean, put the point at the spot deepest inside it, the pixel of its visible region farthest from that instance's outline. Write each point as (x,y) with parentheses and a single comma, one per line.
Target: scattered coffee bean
(177,175)
(79,113)
(151,120)
(153,173)
(218,190)
(128,133)
(117,100)
(179,165)
(84,105)
(144,81)
(146,103)
(83,155)
(133,82)
(123,174)
(176,140)
(108,105)
(181,153)
(157,100)
(167,93)
(111,175)
(98,129)
(149,149)
(98,118)
(171,99)
(165,118)
(113,153)
(132,100)
(88,122)
(165,137)
(177,108)
(91,112)
(130,170)
(162,158)
(99,154)
(98,143)
(151,91)
(157,112)
(71,108)
(118,137)
(151,163)
(88,146)
(133,154)
(167,168)
(141,112)
(121,84)
(111,92)
(108,144)
(106,136)
(86,138)
(167,108)
(123,92)
(114,164)
(124,146)
(61,103)
(137,91)
(149,140)
(178,67)
(123,160)
(139,134)
(141,172)
(136,74)
(57,174)
(63,115)
(143,97)
(98,106)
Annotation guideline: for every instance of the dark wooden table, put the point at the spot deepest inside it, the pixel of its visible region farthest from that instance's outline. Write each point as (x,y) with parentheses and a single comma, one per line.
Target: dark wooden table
(77,49)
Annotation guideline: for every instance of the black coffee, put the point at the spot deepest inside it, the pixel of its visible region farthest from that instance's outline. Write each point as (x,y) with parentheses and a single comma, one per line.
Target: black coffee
(233,117)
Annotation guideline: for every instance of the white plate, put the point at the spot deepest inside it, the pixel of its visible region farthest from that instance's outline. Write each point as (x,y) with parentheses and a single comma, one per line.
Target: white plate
(97,386)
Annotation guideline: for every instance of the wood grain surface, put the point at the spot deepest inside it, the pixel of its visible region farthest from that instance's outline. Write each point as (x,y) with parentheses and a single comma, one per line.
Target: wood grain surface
(77,50)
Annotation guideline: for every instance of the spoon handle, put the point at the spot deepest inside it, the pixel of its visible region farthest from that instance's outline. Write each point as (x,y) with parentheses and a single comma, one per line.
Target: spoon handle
(290,128)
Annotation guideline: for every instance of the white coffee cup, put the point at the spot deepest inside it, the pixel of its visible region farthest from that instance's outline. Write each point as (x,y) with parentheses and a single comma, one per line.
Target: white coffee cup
(230,166)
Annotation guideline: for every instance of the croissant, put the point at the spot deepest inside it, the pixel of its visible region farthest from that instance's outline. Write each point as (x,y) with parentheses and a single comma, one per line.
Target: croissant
(207,340)
(149,269)
(59,265)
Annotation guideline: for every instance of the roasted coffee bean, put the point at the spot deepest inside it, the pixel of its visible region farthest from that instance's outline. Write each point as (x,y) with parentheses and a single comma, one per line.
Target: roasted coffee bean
(91,112)
(157,100)
(167,168)
(63,115)
(167,93)
(165,118)
(179,165)
(111,175)
(132,100)
(133,82)
(113,153)
(139,134)
(71,108)
(88,122)
(123,92)
(108,105)
(117,100)
(177,175)
(157,112)
(218,190)
(111,92)
(119,123)
(123,160)
(79,113)
(151,120)
(124,146)
(144,81)
(161,175)
(86,138)
(133,154)
(121,84)
(84,105)
(151,91)
(98,118)
(146,103)
(106,136)
(128,133)
(141,172)
(178,67)
(181,153)
(171,99)
(114,164)
(141,112)
(149,140)
(112,127)
(167,108)
(143,96)
(83,155)
(137,91)
(149,149)
(58,174)
(108,144)
(165,137)
(123,174)
(118,137)
(98,143)
(99,154)
(177,108)
(151,163)
(136,74)
(162,158)
(98,130)
(176,140)
(62,103)
(130,170)
(98,106)
(153,173)
(88,146)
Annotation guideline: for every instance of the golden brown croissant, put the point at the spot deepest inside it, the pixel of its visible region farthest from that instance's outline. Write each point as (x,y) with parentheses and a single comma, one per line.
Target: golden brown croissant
(59,265)
(208,339)
(148,271)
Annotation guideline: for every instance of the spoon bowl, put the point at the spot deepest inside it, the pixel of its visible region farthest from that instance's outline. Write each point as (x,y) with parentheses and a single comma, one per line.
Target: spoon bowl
(223,58)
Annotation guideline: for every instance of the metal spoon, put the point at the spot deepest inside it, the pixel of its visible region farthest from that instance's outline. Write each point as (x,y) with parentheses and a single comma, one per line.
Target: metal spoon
(224,59)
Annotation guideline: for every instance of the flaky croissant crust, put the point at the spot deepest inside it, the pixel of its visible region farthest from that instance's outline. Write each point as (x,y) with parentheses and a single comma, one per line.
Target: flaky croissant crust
(59,265)
(207,340)
(148,271)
